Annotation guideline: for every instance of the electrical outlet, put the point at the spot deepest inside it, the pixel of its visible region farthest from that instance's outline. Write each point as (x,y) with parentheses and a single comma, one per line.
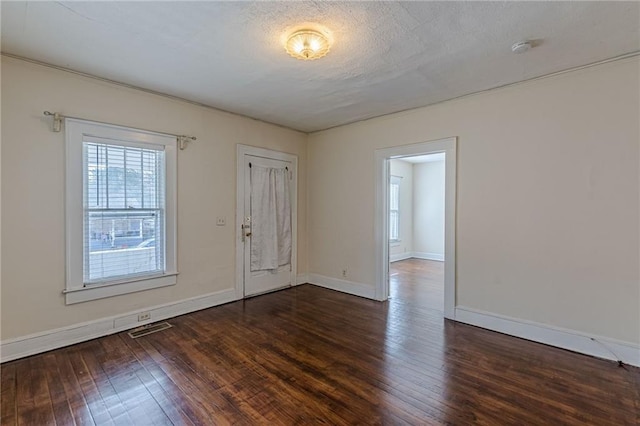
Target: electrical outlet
(344,273)
(221,221)
(144,316)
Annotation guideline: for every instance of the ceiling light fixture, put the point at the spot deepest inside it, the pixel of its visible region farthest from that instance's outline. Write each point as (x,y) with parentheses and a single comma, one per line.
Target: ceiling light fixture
(307,45)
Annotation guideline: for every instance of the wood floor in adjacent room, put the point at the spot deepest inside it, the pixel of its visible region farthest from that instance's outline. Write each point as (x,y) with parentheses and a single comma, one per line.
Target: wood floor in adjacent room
(308,355)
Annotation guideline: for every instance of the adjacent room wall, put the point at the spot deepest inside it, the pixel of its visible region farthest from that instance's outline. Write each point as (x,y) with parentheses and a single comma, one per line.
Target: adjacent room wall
(428,210)
(547,198)
(403,248)
(33,234)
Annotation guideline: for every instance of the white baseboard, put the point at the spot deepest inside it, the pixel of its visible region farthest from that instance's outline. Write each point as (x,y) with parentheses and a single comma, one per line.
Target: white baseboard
(428,256)
(302,279)
(400,256)
(41,342)
(350,287)
(572,340)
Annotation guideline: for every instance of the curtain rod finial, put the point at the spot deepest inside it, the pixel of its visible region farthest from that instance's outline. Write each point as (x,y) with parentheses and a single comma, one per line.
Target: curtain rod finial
(183,140)
(57,120)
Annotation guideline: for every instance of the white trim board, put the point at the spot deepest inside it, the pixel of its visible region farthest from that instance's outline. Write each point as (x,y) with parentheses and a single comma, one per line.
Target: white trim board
(400,256)
(428,256)
(41,342)
(344,286)
(417,255)
(572,340)
(302,279)
(568,339)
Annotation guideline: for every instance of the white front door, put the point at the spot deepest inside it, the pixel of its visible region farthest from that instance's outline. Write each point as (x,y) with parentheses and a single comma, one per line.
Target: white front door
(258,278)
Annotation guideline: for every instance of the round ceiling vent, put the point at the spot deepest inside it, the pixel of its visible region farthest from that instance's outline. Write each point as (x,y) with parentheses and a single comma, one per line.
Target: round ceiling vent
(521,46)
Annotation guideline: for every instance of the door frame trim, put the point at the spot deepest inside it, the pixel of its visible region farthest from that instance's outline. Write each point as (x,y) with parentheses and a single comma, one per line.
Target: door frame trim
(382,157)
(243,150)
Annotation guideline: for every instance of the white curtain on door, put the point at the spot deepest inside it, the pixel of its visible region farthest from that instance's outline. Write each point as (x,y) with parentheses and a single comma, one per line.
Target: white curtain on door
(270,218)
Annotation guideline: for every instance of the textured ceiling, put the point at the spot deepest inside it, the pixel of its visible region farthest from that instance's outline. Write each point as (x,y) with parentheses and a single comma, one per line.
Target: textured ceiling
(387,56)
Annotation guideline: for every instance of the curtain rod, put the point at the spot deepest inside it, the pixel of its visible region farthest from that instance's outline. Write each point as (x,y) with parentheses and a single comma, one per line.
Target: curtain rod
(57,126)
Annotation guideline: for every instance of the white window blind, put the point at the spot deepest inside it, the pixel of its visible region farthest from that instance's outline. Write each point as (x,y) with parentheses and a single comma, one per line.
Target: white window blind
(394,208)
(124,211)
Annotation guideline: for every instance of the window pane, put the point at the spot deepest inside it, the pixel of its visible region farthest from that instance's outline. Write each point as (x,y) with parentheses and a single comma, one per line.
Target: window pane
(123,243)
(123,177)
(394,206)
(124,212)
(394,196)
(393,225)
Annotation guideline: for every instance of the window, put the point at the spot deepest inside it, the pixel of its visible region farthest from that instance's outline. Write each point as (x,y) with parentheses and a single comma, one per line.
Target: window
(394,208)
(120,210)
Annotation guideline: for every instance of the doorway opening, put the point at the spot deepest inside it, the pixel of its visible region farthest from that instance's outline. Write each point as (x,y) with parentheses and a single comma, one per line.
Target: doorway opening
(416,230)
(433,256)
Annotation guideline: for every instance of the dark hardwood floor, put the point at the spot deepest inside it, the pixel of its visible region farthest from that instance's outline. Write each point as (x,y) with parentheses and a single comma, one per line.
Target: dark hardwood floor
(308,355)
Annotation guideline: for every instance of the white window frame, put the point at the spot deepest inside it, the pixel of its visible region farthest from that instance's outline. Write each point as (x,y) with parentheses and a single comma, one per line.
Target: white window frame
(395,180)
(76,130)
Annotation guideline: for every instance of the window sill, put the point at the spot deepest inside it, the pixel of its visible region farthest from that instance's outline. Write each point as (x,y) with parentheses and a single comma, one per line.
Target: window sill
(85,294)
(394,243)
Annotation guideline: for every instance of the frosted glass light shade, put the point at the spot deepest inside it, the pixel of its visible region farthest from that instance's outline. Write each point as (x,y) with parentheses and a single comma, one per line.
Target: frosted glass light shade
(307,45)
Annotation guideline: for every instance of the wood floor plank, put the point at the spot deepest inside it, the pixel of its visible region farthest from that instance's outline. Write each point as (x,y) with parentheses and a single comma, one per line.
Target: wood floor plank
(93,356)
(179,399)
(61,409)
(8,402)
(206,400)
(43,408)
(96,404)
(72,389)
(309,355)
(120,367)
(32,394)
(173,411)
(24,398)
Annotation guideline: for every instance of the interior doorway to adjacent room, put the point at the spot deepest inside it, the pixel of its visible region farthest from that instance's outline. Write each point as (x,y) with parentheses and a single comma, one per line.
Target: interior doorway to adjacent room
(429,256)
(416,229)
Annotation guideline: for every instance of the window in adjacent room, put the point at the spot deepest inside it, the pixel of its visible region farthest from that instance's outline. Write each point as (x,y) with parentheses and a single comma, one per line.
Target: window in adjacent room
(120,210)
(394,209)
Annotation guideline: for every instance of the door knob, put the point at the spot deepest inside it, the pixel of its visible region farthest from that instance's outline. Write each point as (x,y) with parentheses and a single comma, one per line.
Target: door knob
(246,230)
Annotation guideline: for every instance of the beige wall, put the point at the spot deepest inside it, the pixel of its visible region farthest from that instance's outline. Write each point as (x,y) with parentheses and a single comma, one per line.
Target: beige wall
(548,189)
(404,170)
(33,259)
(428,208)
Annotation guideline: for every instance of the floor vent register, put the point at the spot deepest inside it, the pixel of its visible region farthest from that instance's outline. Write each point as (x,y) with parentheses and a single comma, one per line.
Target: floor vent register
(148,329)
